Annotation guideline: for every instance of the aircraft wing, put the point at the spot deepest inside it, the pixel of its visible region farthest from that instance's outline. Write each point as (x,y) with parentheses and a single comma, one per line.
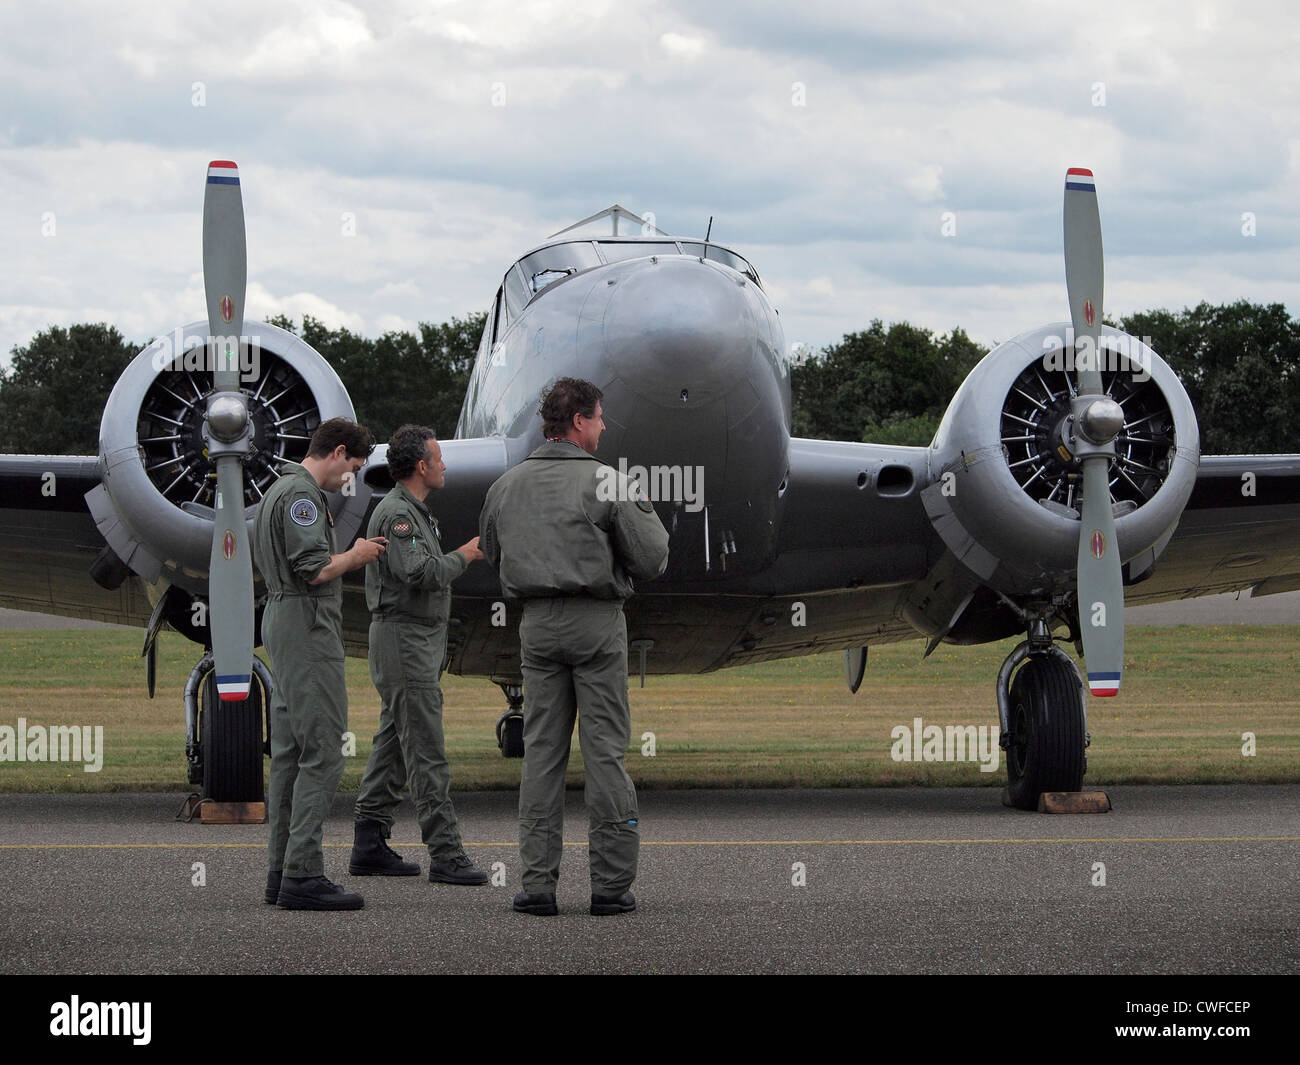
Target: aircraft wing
(1240,529)
(48,542)
(858,507)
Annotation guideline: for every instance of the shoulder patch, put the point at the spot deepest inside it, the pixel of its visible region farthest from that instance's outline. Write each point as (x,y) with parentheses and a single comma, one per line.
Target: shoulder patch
(402,529)
(645,504)
(303,511)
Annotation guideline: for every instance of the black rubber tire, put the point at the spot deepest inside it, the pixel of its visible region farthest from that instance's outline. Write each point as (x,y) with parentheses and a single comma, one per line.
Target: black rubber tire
(1046,752)
(510,735)
(232,745)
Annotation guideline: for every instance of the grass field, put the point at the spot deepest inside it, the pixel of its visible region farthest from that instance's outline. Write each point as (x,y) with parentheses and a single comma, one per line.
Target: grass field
(1189,696)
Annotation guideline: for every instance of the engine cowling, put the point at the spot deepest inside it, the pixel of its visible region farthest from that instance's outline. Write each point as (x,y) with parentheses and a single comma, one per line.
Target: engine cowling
(154,503)
(1005,486)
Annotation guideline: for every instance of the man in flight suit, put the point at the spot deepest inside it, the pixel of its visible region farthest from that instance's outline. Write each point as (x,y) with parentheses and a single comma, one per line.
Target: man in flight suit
(409,595)
(566,534)
(302,627)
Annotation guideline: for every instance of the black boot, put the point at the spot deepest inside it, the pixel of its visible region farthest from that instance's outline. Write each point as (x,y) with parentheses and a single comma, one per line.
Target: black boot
(538,903)
(458,870)
(315,893)
(605,905)
(372,856)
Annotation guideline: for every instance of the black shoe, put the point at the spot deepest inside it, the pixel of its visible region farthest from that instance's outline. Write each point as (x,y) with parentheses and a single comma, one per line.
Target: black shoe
(605,905)
(539,904)
(272,887)
(315,893)
(458,870)
(371,854)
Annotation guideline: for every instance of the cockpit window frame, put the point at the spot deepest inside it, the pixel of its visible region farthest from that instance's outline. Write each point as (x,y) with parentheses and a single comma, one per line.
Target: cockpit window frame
(517,289)
(670,247)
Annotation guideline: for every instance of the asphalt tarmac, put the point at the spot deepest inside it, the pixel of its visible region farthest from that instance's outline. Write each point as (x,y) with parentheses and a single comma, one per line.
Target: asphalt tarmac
(1197,880)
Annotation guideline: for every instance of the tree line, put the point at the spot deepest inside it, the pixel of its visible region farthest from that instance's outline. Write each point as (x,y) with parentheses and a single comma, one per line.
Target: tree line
(1239,362)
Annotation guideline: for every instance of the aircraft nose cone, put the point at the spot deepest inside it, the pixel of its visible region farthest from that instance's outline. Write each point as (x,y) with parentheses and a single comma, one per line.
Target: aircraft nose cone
(677,325)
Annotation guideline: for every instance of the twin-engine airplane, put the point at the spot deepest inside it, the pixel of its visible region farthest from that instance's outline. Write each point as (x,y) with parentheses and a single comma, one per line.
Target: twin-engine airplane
(1064,477)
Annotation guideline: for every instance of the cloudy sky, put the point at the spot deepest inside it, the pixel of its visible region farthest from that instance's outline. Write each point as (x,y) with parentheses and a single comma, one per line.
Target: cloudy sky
(873,161)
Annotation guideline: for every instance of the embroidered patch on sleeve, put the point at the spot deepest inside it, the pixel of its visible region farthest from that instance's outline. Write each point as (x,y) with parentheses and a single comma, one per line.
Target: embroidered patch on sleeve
(303,511)
(402,529)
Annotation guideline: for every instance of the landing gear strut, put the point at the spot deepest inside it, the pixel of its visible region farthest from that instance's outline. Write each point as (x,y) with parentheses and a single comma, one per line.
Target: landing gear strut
(1044,726)
(510,725)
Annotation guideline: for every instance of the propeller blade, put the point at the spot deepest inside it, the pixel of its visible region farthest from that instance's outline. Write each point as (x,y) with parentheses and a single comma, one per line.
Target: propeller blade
(855,667)
(152,629)
(156,622)
(1084,274)
(1101,584)
(230,568)
(225,269)
(151,668)
(1097,421)
(230,585)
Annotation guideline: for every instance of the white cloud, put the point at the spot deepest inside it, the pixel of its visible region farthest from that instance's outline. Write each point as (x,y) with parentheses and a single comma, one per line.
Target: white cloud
(926,183)
(384,111)
(395,323)
(458,32)
(316,40)
(682,47)
(262,305)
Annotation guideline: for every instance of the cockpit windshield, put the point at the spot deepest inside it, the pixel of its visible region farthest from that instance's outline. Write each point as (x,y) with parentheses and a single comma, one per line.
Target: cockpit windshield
(555,262)
(540,269)
(558,261)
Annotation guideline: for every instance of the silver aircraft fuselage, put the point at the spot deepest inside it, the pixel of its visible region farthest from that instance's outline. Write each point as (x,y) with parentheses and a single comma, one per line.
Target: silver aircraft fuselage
(690,356)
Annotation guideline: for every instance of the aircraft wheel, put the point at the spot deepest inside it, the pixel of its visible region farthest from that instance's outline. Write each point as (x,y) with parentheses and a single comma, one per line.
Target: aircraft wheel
(232,745)
(510,734)
(1046,749)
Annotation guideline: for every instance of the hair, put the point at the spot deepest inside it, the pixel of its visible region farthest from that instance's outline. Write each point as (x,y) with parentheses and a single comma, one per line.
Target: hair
(567,397)
(406,447)
(359,440)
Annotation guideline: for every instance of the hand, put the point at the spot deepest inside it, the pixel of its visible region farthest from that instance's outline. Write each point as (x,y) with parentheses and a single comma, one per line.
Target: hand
(366,551)
(471,550)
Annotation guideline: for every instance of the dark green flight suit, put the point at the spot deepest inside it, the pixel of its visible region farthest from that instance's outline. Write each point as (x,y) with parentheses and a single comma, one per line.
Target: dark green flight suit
(302,627)
(409,594)
(568,547)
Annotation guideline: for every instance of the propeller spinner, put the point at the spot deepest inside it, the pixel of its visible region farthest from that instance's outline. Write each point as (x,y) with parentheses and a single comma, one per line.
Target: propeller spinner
(228,432)
(1099,574)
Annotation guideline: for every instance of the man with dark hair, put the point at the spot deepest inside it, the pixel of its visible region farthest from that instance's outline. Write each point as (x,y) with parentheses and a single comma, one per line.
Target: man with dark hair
(409,595)
(567,397)
(302,627)
(329,435)
(568,547)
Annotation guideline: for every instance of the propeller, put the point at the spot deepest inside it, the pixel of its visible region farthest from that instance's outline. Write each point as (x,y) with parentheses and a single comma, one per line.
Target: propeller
(150,652)
(228,432)
(1098,419)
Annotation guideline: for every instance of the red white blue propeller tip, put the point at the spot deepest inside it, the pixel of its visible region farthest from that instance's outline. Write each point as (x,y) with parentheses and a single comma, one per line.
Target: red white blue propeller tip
(223,172)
